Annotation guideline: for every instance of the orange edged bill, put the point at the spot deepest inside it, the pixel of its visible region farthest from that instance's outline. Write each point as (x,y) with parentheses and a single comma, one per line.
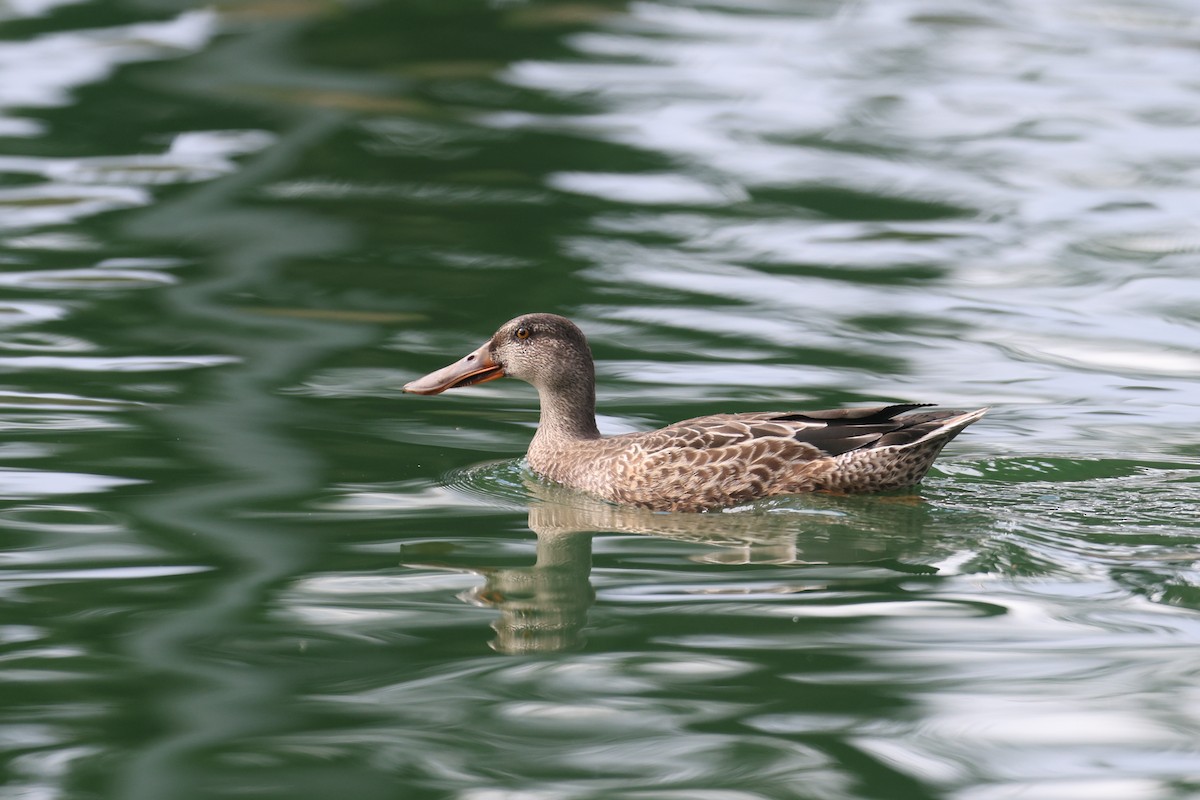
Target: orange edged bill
(476,367)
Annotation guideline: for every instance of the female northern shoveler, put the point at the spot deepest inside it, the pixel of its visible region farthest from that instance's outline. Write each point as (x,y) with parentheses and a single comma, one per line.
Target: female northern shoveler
(699,463)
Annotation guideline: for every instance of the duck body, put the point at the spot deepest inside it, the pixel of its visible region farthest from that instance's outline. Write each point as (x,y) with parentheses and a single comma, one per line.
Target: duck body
(702,463)
(726,459)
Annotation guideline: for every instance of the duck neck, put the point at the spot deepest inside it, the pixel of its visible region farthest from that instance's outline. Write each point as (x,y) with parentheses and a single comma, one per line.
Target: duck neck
(568,411)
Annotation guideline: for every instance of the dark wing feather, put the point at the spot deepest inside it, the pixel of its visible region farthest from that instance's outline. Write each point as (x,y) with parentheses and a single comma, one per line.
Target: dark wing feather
(867,415)
(829,433)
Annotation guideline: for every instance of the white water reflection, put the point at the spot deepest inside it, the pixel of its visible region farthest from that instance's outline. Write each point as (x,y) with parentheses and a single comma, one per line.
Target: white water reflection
(645,189)
(17,314)
(114,363)
(24,9)
(44,71)
(93,278)
(189,158)
(29,483)
(54,204)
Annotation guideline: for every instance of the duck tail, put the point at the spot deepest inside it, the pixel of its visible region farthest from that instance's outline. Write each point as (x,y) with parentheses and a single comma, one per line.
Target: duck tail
(947,428)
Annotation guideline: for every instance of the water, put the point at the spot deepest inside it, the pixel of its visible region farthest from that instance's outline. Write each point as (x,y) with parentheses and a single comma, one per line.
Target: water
(238,562)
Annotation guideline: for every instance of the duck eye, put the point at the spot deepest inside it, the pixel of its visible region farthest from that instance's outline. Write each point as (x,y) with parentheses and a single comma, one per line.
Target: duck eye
(522,333)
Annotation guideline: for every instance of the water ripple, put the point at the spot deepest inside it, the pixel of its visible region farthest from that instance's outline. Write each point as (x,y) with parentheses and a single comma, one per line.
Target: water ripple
(94,278)
(54,204)
(114,363)
(191,157)
(17,314)
(26,483)
(42,72)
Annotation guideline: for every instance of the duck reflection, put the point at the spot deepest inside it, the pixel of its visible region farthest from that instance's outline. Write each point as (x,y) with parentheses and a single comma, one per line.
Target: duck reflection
(543,607)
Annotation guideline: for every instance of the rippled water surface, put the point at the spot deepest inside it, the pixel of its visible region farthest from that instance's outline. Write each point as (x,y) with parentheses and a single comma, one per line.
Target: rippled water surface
(238,562)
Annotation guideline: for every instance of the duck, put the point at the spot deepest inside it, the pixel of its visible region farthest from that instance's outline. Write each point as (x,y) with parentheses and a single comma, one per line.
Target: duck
(699,464)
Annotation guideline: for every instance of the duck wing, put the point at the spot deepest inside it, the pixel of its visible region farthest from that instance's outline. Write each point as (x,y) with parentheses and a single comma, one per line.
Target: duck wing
(818,433)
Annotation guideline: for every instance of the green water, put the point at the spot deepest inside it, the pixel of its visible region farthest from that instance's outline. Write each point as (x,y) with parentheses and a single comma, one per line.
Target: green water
(238,562)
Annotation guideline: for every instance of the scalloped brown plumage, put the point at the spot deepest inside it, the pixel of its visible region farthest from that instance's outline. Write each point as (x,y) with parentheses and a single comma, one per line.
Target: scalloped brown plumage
(700,463)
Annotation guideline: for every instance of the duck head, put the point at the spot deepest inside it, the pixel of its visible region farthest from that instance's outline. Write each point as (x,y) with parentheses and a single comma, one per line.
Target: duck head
(545,350)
